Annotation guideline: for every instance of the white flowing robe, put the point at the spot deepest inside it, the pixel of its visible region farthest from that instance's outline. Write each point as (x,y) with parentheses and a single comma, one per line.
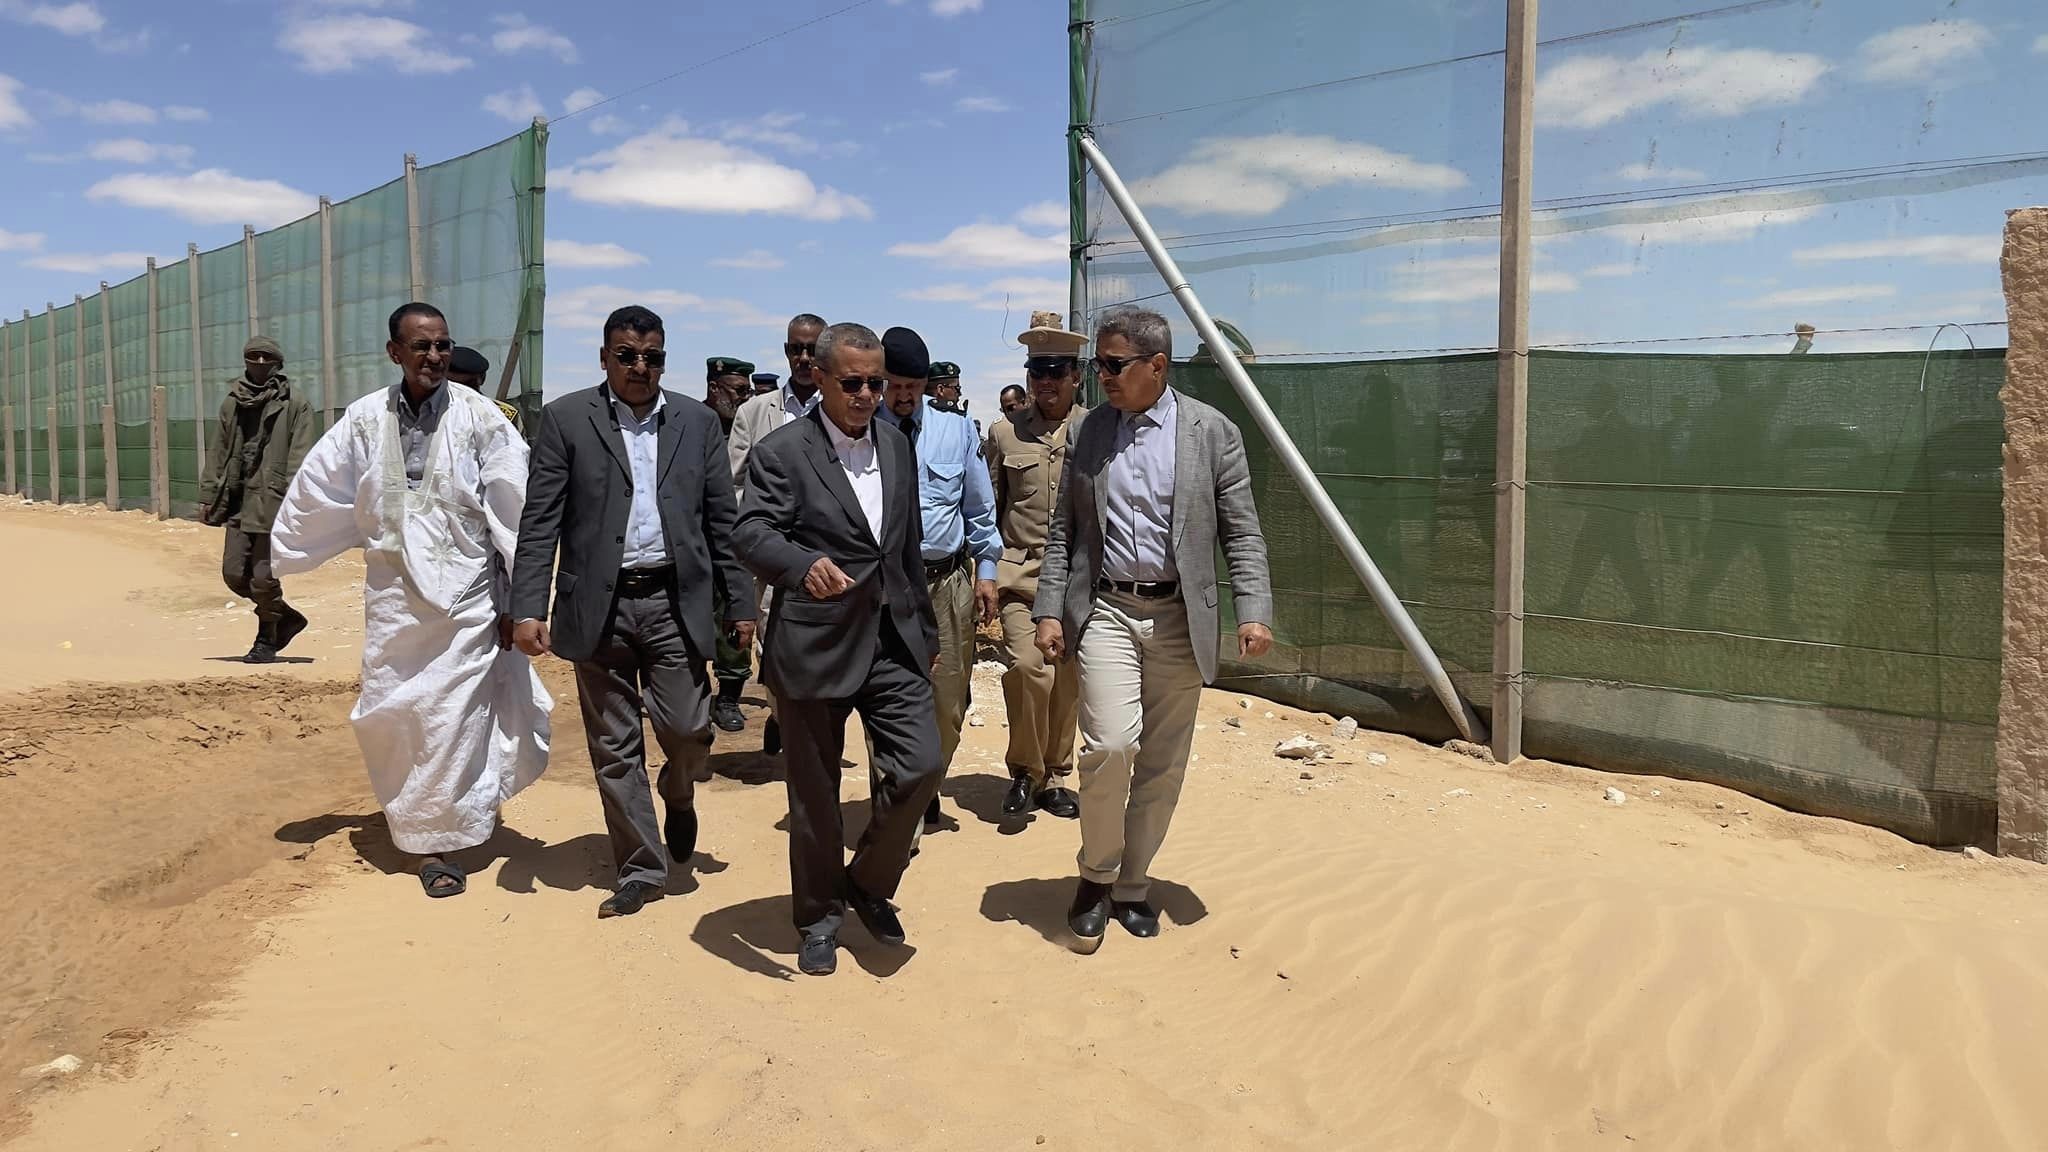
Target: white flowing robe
(451,725)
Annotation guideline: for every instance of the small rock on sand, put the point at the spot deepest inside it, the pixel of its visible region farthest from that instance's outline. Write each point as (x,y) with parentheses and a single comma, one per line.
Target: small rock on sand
(1376,759)
(1975,853)
(1299,748)
(1232,722)
(1456,792)
(992,667)
(62,1066)
(975,721)
(1614,796)
(1244,702)
(1478,752)
(1269,716)
(1346,729)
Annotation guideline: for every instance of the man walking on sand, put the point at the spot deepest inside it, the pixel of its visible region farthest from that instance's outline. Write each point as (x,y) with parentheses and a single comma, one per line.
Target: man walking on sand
(266,428)
(830,519)
(1156,481)
(630,484)
(428,481)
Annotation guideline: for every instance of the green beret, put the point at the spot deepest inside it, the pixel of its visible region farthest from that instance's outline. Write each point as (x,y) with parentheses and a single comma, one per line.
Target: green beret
(726,366)
(943,370)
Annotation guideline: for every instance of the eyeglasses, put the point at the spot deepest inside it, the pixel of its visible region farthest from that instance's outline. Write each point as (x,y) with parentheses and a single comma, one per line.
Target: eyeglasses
(1115,365)
(627,357)
(1047,366)
(422,347)
(805,351)
(851,385)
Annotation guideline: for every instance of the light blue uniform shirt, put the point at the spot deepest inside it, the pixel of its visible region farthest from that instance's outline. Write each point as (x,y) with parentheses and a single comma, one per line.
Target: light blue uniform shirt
(954,495)
(645,545)
(1137,539)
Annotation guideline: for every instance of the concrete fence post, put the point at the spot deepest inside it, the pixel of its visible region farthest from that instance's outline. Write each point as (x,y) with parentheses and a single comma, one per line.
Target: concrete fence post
(50,375)
(78,408)
(7,398)
(2023,678)
(160,452)
(414,257)
(111,455)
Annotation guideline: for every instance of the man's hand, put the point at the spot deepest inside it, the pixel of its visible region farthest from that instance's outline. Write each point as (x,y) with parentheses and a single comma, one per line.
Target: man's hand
(1253,640)
(825,581)
(743,635)
(531,637)
(985,600)
(1052,640)
(504,631)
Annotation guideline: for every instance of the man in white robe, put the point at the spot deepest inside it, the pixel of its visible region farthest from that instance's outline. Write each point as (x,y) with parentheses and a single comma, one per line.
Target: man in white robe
(428,481)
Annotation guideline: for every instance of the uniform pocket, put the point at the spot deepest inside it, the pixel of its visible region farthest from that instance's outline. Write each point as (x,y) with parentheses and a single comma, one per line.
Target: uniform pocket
(1023,476)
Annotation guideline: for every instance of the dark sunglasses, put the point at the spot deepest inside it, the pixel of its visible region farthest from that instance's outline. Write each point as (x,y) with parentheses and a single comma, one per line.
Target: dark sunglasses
(807,351)
(1115,365)
(851,385)
(627,357)
(1044,366)
(422,347)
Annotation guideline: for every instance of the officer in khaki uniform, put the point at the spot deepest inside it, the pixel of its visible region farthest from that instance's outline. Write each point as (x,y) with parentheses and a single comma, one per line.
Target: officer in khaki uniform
(1027,450)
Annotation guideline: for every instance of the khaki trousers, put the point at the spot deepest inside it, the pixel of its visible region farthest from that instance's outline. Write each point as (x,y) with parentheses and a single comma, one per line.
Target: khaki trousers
(1140,689)
(1041,699)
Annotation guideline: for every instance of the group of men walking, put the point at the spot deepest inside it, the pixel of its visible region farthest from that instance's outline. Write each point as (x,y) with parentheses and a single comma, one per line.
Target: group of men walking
(849,518)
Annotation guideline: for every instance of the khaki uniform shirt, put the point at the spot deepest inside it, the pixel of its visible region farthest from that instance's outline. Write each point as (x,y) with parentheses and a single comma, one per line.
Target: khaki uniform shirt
(1025,457)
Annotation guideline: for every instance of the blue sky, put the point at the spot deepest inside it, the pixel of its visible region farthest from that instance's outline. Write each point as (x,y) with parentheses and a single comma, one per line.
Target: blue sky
(903,162)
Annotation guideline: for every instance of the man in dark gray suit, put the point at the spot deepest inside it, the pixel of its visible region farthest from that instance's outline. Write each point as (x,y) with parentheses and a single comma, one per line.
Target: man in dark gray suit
(632,482)
(1154,482)
(830,519)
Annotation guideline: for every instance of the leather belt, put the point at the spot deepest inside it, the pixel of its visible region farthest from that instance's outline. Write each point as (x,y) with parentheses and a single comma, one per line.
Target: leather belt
(1142,589)
(937,570)
(637,583)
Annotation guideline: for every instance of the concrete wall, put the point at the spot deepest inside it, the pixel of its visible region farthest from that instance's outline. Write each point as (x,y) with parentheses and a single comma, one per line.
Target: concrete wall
(2023,690)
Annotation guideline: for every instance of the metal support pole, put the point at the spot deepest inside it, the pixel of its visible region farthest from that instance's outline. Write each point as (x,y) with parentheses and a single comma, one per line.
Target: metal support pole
(412,226)
(159,439)
(330,387)
(249,274)
(78,408)
(1079,114)
(203,426)
(1511,451)
(7,400)
(1390,606)
(110,469)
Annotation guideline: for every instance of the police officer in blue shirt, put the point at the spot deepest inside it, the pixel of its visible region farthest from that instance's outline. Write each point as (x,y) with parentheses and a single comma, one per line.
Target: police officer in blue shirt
(961,547)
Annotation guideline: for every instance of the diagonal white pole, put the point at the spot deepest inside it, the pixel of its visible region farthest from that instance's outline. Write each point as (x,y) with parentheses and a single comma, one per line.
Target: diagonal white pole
(1390,606)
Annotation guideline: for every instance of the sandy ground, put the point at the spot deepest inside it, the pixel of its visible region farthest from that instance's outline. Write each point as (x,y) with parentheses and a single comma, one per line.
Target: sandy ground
(1427,952)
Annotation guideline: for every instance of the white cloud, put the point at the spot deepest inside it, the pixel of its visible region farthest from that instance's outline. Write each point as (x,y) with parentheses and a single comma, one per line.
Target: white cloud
(80,19)
(1460,279)
(519,105)
(577,254)
(1258,175)
(980,104)
(1809,297)
(90,263)
(209,196)
(1651,174)
(129,150)
(1044,214)
(954,7)
(12,115)
(942,76)
(667,168)
(1608,271)
(610,126)
(1014,293)
(20,241)
(580,99)
(2041,46)
(344,43)
(1929,249)
(118,112)
(988,246)
(772,128)
(579,313)
(516,34)
(185,113)
(1918,53)
(1592,91)
(753,260)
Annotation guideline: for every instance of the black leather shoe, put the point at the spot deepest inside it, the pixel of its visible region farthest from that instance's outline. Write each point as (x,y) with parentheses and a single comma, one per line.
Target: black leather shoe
(818,956)
(288,629)
(1060,802)
(1017,801)
(630,898)
(878,914)
(726,714)
(1138,917)
(771,737)
(1088,918)
(682,835)
(934,817)
(261,652)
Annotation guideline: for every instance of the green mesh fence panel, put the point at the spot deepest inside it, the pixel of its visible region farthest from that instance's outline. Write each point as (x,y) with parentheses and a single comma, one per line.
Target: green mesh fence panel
(481,256)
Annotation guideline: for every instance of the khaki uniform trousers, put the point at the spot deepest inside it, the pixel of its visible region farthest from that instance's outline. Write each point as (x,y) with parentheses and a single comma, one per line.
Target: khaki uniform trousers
(1041,700)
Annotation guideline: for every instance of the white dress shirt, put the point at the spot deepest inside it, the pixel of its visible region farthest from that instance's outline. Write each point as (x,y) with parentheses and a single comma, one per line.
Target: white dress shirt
(863,471)
(645,545)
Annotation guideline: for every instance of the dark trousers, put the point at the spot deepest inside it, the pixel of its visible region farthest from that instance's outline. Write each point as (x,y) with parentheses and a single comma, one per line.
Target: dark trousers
(245,567)
(896,707)
(644,646)
(732,664)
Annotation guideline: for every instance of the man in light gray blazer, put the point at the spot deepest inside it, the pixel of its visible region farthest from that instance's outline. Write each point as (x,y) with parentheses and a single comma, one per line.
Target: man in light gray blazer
(1154,482)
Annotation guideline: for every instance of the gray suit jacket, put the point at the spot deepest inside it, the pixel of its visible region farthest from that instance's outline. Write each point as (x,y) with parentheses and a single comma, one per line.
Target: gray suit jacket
(579,490)
(1212,503)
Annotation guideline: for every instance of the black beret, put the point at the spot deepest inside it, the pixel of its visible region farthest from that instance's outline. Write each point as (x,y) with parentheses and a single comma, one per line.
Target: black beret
(468,362)
(904,354)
